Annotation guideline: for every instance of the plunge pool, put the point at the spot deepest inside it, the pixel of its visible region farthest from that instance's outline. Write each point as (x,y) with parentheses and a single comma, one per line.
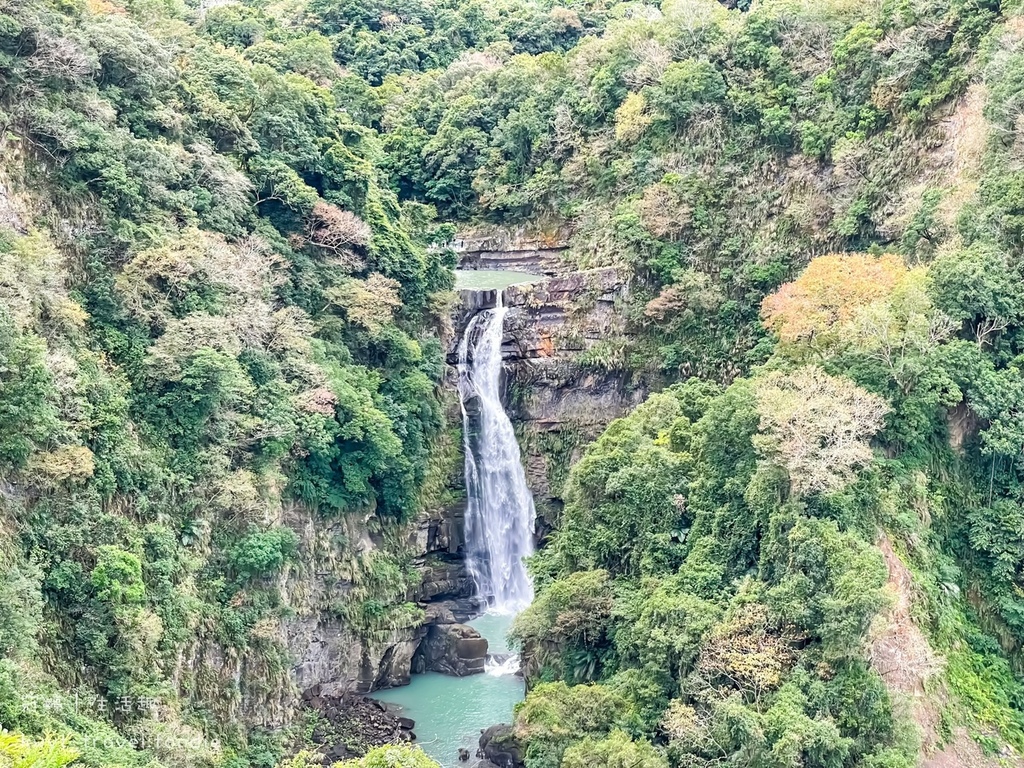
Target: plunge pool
(451,711)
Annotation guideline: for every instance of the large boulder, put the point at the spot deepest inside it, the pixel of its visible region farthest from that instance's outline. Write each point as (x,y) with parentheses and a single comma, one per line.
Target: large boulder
(452,649)
(444,578)
(499,746)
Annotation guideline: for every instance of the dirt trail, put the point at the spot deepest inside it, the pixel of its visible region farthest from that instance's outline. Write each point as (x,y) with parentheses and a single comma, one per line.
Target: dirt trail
(902,655)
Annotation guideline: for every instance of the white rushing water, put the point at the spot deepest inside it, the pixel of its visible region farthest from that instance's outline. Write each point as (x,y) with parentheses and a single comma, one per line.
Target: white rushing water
(500,513)
(509,665)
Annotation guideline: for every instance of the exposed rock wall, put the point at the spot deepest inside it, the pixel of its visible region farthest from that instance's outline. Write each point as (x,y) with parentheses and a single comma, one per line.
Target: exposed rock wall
(453,649)
(559,394)
(341,660)
(323,641)
(330,652)
(518,249)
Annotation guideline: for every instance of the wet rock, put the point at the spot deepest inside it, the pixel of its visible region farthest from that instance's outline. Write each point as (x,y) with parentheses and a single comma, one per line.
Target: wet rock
(463,754)
(469,648)
(452,649)
(497,659)
(443,577)
(500,747)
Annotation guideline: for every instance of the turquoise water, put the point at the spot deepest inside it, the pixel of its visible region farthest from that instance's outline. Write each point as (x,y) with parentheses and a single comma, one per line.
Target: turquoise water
(493,626)
(489,279)
(450,712)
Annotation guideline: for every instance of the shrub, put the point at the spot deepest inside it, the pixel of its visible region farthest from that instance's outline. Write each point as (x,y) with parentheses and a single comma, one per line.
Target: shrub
(27,415)
(19,751)
(263,553)
(390,756)
(615,751)
(117,577)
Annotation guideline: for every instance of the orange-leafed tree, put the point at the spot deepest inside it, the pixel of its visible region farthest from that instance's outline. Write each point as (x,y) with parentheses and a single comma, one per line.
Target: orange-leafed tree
(830,293)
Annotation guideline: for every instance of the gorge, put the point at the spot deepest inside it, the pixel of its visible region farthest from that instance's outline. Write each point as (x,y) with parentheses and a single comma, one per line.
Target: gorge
(317,316)
(499,514)
(551,315)
(499,535)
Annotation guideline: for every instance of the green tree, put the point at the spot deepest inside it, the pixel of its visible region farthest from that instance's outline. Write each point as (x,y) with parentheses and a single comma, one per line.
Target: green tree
(391,756)
(27,415)
(263,553)
(117,577)
(615,751)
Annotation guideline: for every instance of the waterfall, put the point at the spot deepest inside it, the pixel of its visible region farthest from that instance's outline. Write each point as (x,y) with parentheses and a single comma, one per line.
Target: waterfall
(500,513)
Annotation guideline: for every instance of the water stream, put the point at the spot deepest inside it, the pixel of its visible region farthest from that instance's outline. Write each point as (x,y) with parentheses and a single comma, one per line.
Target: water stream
(499,512)
(491,279)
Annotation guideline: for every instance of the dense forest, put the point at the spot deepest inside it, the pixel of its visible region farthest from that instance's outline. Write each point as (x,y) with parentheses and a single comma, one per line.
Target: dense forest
(226,293)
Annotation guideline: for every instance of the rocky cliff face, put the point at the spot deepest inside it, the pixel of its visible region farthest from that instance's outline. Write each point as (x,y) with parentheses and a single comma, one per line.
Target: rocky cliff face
(562,336)
(339,654)
(357,606)
(519,249)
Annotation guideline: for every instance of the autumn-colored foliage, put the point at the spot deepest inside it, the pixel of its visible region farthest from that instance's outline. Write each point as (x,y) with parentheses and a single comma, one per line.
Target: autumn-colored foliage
(829,293)
(816,426)
(338,232)
(747,652)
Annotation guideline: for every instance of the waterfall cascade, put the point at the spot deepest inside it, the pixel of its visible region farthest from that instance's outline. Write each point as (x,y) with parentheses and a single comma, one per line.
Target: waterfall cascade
(500,513)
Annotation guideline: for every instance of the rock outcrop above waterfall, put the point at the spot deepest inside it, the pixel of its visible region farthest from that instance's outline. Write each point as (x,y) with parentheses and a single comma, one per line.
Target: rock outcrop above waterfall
(519,249)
